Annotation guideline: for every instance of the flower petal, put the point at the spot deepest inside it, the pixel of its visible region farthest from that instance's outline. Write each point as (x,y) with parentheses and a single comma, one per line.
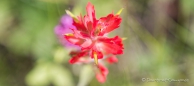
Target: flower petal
(91,12)
(83,43)
(119,12)
(73,39)
(102,74)
(98,53)
(80,25)
(71,14)
(108,23)
(76,57)
(111,45)
(112,59)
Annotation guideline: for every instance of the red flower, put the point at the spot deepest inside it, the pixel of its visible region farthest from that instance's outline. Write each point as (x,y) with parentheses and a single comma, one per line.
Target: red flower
(89,34)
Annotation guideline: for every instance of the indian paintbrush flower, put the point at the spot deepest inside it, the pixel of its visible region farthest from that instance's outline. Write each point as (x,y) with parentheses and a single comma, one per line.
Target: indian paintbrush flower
(90,34)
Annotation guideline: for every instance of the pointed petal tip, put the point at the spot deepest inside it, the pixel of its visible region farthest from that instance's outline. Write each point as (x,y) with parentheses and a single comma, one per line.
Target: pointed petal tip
(124,38)
(119,12)
(72,15)
(89,3)
(69,13)
(69,34)
(71,61)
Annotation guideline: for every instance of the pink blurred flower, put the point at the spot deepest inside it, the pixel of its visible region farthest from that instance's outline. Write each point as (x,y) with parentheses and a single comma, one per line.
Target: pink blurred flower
(63,28)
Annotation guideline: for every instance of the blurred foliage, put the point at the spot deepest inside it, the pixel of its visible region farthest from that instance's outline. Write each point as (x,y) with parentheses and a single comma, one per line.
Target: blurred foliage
(160,43)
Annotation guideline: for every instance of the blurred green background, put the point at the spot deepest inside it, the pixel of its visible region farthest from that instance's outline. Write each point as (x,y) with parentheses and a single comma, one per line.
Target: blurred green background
(159,45)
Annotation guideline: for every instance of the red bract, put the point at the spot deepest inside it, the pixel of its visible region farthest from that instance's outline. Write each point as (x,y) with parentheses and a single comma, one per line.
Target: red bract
(112,59)
(89,34)
(102,73)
